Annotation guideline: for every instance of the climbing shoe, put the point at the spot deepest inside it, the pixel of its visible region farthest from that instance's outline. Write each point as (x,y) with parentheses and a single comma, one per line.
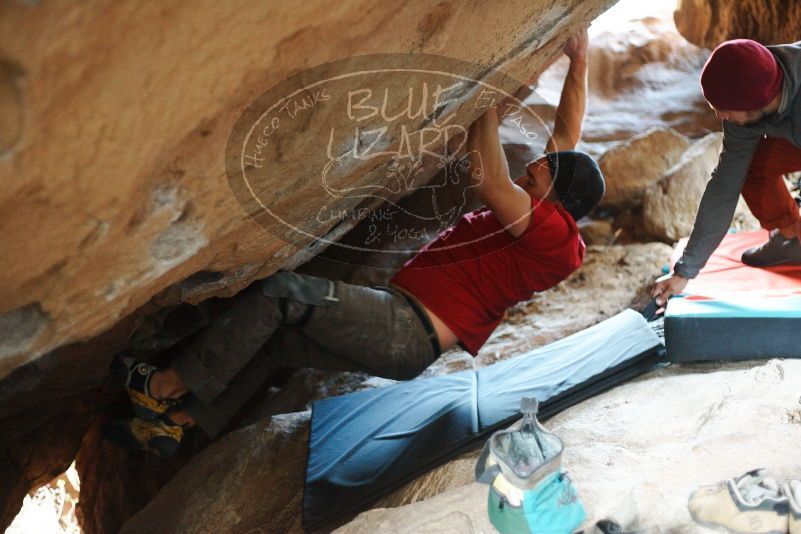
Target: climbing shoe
(792,490)
(777,250)
(749,504)
(161,436)
(136,376)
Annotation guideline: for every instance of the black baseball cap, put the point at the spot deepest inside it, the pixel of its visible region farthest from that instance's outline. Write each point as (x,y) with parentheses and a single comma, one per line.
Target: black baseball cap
(578,181)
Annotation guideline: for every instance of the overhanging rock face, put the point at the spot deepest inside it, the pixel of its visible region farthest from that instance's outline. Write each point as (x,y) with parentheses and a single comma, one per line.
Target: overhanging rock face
(114,120)
(112,158)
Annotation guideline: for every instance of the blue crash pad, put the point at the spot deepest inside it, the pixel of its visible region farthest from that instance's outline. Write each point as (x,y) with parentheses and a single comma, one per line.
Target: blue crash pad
(731,311)
(365,444)
(738,327)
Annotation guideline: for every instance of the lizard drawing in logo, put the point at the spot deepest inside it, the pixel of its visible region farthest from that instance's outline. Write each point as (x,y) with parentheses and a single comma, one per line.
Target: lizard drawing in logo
(401,173)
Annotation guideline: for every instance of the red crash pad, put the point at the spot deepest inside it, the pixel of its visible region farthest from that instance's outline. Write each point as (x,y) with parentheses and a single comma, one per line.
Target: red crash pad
(724,272)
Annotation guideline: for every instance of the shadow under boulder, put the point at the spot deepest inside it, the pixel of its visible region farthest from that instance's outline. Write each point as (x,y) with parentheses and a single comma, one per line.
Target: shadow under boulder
(246,482)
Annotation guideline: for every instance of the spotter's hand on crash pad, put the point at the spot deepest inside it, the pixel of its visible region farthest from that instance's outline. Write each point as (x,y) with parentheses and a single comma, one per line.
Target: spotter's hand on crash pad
(666,286)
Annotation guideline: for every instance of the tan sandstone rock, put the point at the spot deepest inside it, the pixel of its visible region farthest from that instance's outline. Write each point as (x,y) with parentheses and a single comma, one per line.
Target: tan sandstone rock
(116,187)
(114,117)
(670,206)
(246,482)
(707,23)
(642,74)
(631,167)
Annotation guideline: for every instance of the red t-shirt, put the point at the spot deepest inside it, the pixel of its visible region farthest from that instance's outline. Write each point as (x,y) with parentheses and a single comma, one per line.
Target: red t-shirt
(475,270)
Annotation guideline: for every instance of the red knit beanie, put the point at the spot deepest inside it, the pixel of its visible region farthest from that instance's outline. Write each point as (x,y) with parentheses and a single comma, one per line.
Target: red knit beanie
(741,75)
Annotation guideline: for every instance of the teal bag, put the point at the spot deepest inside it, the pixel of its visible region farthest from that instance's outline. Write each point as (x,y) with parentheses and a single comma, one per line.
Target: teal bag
(553,507)
(505,516)
(529,493)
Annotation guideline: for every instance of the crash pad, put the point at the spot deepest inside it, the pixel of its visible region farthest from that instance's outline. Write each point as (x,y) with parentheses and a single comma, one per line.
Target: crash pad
(366,444)
(731,311)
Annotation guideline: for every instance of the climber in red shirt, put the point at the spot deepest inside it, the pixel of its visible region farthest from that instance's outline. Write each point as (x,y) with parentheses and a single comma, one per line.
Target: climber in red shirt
(455,290)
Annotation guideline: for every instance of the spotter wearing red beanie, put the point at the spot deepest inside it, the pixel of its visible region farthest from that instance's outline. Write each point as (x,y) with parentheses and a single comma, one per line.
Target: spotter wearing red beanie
(741,75)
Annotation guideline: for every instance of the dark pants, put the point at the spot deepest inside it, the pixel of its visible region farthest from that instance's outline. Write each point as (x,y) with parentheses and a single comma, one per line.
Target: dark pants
(352,328)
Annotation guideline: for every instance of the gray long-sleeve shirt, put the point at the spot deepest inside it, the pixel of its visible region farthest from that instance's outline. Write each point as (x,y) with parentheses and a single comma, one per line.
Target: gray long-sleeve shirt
(739,143)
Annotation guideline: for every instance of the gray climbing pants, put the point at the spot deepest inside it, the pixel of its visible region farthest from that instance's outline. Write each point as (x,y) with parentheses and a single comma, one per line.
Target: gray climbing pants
(300,321)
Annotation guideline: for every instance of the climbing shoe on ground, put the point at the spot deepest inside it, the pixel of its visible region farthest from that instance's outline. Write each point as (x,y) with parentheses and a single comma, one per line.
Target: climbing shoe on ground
(792,490)
(161,436)
(136,376)
(749,504)
(777,250)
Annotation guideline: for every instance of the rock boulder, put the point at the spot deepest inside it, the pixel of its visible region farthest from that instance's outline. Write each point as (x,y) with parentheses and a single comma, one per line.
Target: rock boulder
(707,23)
(642,74)
(115,118)
(633,166)
(670,205)
(115,176)
(249,481)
